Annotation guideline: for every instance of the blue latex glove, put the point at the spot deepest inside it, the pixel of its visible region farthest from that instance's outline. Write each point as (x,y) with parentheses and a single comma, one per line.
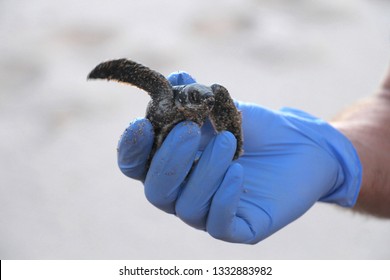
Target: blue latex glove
(291,160)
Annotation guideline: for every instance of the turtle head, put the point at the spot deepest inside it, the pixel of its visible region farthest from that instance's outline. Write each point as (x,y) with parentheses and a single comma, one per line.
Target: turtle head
(194,98)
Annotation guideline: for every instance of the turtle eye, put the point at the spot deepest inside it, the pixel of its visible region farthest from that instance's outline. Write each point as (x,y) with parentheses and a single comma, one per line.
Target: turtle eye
(193,96)
(182,99)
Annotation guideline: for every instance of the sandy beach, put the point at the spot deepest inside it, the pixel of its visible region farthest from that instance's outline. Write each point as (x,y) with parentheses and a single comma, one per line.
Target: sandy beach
(62,195)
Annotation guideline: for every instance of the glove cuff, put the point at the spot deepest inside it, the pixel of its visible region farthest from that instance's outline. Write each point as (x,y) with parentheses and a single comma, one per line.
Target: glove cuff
(346,189)
(346,192)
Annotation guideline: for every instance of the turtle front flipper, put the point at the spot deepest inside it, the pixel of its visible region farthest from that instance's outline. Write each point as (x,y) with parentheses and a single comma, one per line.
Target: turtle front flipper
(130,72)
(225,116)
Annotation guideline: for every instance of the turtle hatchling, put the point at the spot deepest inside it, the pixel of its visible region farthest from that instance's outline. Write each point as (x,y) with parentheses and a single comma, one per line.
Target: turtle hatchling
(173,104)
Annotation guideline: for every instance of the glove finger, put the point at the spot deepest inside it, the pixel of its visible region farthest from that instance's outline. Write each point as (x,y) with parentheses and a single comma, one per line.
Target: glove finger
(232,220)
(180,78)
(193,204)
(134,147)
(171,164)
(208,133)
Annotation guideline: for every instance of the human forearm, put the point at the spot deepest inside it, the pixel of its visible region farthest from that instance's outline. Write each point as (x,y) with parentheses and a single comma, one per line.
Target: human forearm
(367,125)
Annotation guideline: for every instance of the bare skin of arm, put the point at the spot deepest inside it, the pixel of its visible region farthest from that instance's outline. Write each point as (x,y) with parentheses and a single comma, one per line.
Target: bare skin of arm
(367,125)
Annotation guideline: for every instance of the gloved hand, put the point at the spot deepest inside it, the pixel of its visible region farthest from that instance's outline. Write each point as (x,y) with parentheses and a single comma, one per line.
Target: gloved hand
(291,160)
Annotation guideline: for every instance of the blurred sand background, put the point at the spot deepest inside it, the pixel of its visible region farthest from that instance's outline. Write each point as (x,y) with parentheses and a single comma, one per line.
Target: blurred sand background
(61,193)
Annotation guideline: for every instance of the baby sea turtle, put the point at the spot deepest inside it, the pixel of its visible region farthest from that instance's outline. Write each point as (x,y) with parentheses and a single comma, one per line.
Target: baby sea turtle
(173,104)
